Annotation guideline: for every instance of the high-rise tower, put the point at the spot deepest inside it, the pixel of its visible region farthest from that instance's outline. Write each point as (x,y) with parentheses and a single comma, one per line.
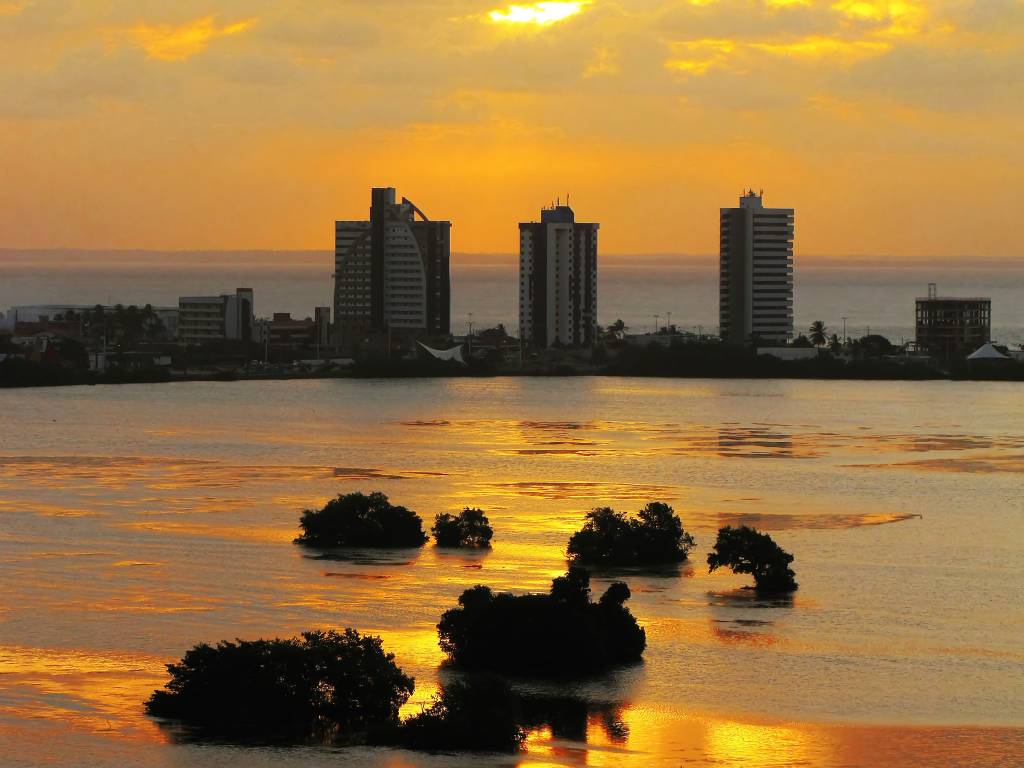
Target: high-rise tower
(391,272)
(557,280)
(756,272)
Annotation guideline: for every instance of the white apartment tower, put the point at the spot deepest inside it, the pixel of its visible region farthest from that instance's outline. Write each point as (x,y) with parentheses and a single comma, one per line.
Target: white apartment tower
(756,272)
(557,280)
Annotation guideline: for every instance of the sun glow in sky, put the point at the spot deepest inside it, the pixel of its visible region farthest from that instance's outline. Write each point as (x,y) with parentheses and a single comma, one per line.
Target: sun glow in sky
(539,13)
(255,123)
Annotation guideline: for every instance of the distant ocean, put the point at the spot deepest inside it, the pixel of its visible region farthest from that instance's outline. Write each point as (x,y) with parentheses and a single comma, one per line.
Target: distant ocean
(873,293)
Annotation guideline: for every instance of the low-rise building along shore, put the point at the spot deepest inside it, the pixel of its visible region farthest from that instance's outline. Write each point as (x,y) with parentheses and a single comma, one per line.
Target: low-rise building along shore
(952,327)
(205,319)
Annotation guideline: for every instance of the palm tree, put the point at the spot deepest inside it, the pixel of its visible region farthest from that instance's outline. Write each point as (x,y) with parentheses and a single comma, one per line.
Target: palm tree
(818,333)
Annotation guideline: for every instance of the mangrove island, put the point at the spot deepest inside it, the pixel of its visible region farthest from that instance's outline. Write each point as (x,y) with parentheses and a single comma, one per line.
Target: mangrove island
(562,633)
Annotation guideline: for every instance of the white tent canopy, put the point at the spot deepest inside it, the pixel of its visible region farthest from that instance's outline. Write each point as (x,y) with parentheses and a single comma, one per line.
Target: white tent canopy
(455,353)
(987,352)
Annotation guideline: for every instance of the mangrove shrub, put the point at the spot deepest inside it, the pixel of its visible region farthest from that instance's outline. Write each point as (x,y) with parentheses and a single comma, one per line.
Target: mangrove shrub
(320,684)
(469,528)
(358,520)
(745,550)
(608,537)
(557,634)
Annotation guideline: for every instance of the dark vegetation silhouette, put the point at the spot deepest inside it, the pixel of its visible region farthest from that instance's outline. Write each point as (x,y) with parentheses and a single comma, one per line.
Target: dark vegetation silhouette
(611,538)
(818,333)
(479,714)
(872,345)
(336,685)
(358,520)
(745,550)
(18,372)
(715,360)
(119,324)
(469,528)
(562,633)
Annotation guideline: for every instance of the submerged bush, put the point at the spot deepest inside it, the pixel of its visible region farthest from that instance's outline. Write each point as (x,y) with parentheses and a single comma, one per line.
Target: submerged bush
(608,537)
(475,715)
(320,684)
(357,520)
(469,528)
(745,550)
(557,634)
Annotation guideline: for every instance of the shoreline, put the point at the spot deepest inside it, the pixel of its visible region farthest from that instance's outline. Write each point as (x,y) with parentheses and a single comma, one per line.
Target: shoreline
(229,377)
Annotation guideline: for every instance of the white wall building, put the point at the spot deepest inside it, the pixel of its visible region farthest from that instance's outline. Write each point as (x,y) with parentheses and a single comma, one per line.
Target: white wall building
(756,272)
(557,280)
(205,319)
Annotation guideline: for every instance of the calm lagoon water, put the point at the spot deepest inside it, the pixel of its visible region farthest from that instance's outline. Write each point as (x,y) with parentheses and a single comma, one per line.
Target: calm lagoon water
(136,521)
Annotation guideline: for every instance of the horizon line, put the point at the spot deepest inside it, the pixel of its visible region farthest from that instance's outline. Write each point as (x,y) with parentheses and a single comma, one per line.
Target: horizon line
(658,255)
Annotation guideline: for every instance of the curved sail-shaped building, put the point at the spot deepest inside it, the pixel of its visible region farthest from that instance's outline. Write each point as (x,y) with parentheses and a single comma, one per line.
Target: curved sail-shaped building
(391,272)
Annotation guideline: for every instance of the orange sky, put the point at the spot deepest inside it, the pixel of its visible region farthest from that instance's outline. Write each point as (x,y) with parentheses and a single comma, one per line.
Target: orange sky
(892,126)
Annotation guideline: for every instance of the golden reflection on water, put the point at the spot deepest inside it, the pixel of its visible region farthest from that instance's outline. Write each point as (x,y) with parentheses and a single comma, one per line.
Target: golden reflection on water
(670,736)
(98,692)
(779,521)
(635,439)
(977,464)
(169,474)
(741,634)
(572,490)
(232,532)
(743,744)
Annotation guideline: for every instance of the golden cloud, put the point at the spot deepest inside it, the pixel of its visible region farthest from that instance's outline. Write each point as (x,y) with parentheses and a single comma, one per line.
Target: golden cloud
(174,43)
(901,17)
(605,62)
(698,56)
(809,47)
